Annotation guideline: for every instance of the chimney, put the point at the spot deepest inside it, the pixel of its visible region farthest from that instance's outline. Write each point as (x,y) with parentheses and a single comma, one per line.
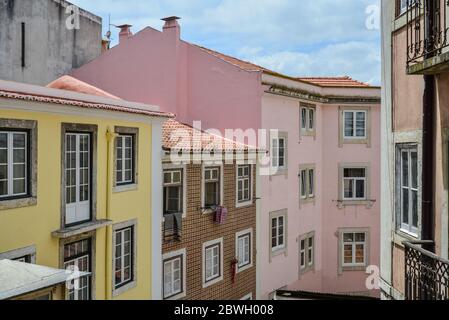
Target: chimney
(172,26)
(125,32)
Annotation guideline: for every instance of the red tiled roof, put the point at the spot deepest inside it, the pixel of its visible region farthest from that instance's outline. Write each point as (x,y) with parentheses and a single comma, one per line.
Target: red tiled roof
(319,81)
(79,103)
(72,84)
(177,135)
(335,82)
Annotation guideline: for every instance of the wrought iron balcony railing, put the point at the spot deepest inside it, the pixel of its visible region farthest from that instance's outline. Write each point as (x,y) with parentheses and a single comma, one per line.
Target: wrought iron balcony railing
(426,274)
(427,29)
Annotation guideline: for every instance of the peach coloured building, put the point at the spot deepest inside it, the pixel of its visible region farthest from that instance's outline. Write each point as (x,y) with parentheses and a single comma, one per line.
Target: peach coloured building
(318,214)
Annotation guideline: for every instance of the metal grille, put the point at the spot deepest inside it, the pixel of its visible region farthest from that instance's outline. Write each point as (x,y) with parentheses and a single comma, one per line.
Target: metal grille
(427,29)
(426,274)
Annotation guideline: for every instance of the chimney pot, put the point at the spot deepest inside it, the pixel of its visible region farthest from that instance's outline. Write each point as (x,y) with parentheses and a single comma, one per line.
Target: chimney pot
(172,27)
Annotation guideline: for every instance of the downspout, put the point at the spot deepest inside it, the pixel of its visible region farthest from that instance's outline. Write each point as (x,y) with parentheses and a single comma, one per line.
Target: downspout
(110,136)
(428,144)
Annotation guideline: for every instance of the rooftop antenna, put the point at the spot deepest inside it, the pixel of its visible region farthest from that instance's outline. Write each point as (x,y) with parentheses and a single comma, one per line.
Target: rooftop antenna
(109,33)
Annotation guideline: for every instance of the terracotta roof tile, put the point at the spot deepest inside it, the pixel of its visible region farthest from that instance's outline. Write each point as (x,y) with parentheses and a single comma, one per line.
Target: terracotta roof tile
(335,82)
(177,135)
(319,81)
(72,84)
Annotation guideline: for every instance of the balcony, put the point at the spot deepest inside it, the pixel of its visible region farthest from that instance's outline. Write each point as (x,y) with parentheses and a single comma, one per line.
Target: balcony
(426,274)
(427,36)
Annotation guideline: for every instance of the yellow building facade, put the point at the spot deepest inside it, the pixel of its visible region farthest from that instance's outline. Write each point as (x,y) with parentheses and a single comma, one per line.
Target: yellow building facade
(76,182)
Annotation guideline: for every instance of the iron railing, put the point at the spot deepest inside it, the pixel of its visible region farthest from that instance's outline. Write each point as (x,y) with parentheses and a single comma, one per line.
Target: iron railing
(426,274)
(427,29)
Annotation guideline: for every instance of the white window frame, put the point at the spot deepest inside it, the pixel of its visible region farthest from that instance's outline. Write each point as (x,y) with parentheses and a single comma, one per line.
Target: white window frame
(354,114)
(203,186)
(79,211)
(306,191)
(278,246)
(244,202)
(354,246)
(170,256)
(168,167)
(247,297)
(275,154)
(123,158)
(123,255)
(408,228)
(354,185)
(206,246)
(10,165)
(308,252)
(308,127)
(126,286)
(245,233)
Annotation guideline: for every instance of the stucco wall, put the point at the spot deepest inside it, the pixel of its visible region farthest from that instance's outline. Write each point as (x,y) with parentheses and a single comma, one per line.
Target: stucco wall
(22,227)
(51,50)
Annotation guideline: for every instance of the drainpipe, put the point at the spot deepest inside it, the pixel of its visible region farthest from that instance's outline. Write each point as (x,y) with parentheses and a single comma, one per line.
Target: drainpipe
(428,143)
(110,136)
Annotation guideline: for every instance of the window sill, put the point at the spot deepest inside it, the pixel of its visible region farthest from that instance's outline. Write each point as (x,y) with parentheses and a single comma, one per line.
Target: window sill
(304,201)
(244,268)
(18,203)
(123,289)
(348,203)
(278,172)
(244,204)
(176,297)
(353,268)
(307,133)
(125,188)
(80,229)
(278,253)
(212,282)
(356,141)
(401,236)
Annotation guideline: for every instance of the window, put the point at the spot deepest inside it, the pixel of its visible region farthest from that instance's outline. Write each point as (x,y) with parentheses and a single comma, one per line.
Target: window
(354,249)
(244,249)
(247,297)
(244,178)
(354,183)
(212,187)
(173,191)
(278,158)
(308,120)
(26,254)
(277,233)
(307,182)
(213,262)
(26,259)
(307,252)
(14,164)
(355,124)
(408,176)
(77,177)
(123,257)
(173,276)
(403,5)
(77,256)
(125,159)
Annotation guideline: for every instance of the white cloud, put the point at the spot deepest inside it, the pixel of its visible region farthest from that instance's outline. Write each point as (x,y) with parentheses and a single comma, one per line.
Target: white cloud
(319,37)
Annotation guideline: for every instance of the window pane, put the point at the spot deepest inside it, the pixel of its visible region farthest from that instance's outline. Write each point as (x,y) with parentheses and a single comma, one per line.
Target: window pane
(348,237)
(19,171)
(3,156)
(360,253)
(19,156)
(3,172)
(303,183)
(360,189)
(349,124)
(348,186)
(348,254)
(3,188)
(3,140)
(311,182)
(360,124)
(405,171)
(19,140)
(415,209)
(211,194)
(414,164)
(311,119)
(405,206)
(354,173)
(303,118)
(19,186)
(167,177)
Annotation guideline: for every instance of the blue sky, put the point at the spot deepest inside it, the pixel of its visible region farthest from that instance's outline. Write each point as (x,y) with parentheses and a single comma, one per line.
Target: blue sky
(294,37)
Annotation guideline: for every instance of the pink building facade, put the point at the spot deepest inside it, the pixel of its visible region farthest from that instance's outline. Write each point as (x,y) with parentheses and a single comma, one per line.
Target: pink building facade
(318,213)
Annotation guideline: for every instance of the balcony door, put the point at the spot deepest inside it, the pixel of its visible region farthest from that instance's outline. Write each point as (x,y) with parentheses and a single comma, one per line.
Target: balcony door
(77,178)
